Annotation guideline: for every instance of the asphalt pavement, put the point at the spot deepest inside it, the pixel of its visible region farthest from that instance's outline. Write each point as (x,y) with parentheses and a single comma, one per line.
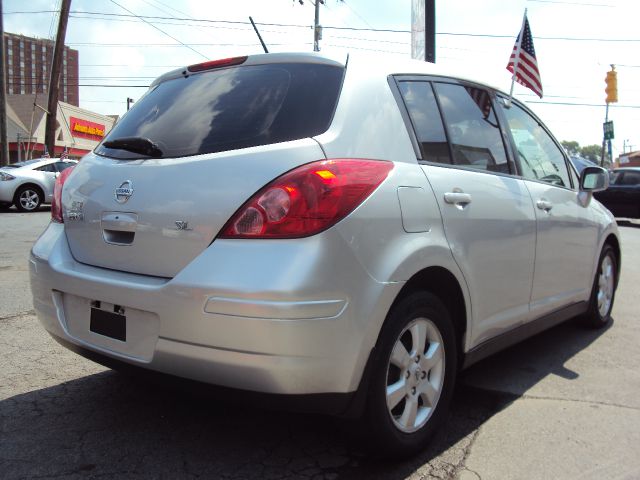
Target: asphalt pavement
(564,404)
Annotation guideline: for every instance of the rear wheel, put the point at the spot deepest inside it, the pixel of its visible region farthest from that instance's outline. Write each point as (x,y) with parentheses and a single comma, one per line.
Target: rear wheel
(413,376)
(28,199)
(604,289)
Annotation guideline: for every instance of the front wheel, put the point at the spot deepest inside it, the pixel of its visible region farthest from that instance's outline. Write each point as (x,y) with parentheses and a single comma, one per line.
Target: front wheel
(28,199)
(413,376)
(604,289)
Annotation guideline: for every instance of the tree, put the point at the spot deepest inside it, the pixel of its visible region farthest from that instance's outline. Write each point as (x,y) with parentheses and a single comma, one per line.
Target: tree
(592,152)
(573,148)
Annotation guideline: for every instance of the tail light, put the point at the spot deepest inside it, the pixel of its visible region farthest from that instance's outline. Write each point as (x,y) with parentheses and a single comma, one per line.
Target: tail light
(56,204)
(212,64)
(307,200)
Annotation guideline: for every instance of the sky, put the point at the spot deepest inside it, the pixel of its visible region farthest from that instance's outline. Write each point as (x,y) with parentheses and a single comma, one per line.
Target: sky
(575,43)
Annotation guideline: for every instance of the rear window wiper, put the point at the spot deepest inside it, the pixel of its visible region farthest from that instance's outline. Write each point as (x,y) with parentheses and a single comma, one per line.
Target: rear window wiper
(136,145)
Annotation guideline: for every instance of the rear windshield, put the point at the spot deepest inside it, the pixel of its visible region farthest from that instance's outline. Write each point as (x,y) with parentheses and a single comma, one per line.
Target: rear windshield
(232,108)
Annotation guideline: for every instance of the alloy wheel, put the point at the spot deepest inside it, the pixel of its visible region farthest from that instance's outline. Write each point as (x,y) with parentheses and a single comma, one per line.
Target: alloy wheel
(606,285)
(29,199)
(415,375)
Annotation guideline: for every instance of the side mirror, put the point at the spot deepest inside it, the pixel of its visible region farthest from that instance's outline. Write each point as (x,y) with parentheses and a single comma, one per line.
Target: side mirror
(594,179)
(57,174)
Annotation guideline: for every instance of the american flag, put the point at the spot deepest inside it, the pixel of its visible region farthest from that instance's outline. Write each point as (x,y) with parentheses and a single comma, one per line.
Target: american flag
(523,61)
(482,99)
(65,154)
(46,152)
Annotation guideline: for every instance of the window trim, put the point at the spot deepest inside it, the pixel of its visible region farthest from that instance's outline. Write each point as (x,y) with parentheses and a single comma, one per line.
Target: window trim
(492,96)
(503,97)
(394,80)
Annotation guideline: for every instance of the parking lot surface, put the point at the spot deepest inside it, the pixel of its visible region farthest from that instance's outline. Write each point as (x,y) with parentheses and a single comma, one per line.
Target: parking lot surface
(564,404)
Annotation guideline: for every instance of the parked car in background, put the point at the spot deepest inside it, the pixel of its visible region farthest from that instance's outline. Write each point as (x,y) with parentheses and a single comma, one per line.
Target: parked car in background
(346,233)
(29,184)
(623,195)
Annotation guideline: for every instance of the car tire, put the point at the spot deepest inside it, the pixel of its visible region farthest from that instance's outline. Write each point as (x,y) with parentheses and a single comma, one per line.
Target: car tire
(28,199)
(413,376)
(604,288)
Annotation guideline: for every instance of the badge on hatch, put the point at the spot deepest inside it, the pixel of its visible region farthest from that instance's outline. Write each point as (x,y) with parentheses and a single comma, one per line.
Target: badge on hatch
(124,191)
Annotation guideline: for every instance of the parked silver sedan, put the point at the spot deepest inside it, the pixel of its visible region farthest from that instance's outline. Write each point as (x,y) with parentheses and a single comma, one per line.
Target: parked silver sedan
(29,184)
(347,234)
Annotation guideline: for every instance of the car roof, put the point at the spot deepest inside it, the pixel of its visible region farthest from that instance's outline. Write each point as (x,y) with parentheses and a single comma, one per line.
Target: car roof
(622,169)
(384,65)
(39,162)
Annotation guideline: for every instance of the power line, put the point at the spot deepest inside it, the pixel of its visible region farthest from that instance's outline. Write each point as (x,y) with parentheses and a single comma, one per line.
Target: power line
(380,30)
(599,105)
(577,4)
(357,14)
(98,45)
(160,30)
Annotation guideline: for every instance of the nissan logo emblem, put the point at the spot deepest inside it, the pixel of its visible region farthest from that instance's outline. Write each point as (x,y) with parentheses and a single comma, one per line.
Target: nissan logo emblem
(124,191)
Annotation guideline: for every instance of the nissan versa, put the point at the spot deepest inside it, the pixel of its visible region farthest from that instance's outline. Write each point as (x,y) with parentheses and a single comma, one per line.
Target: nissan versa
(348,233)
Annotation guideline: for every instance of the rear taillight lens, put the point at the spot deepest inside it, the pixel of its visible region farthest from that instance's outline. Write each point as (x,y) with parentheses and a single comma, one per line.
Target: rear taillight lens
(56,204)
(308,199)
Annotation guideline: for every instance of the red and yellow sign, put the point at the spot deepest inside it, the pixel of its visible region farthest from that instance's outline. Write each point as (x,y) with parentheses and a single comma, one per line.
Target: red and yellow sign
(86,129)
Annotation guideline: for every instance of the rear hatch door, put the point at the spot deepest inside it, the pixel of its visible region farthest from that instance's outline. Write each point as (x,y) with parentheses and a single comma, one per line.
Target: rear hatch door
(218,136)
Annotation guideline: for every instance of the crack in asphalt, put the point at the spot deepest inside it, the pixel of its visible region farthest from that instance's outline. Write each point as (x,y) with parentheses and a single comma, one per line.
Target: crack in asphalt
(18,315)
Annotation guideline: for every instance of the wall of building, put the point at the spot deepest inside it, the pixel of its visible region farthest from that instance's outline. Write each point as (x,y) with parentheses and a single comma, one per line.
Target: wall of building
(78,130)
(28,67)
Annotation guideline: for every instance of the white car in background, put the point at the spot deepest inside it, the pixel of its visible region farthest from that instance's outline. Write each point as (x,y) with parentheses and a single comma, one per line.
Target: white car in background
(29,184)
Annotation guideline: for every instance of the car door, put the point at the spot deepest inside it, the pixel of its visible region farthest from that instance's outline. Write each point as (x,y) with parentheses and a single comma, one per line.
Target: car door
(623,195)
(567,234)
(487,212)
(48,179)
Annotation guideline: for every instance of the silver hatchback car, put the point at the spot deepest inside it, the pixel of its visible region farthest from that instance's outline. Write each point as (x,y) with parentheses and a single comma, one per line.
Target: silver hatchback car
(348,234)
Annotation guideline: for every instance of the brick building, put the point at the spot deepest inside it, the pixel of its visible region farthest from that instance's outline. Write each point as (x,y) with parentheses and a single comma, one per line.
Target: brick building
(28,66)
(629,159)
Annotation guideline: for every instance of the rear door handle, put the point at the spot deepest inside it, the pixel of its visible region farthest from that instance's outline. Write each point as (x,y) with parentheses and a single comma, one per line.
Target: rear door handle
(459,199)
(544,205)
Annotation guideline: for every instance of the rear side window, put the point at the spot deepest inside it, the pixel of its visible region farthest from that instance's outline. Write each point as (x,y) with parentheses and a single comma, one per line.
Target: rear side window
(473,129)
(50,167)
(232,108)
(425,116)
(630,178)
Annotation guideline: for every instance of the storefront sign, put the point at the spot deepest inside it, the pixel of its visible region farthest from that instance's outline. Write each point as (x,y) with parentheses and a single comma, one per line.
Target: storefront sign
(86,129)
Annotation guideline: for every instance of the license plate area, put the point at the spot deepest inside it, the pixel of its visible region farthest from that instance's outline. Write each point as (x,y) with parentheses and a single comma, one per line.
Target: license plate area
(109,324)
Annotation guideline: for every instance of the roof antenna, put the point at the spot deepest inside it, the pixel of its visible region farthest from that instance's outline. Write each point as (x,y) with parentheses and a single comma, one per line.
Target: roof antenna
(259,37)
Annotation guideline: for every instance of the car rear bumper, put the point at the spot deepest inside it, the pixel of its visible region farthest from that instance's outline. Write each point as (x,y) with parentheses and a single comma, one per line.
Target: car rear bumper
(300,331)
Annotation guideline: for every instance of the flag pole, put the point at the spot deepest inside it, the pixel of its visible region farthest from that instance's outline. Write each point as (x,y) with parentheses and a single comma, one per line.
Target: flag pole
(517,59)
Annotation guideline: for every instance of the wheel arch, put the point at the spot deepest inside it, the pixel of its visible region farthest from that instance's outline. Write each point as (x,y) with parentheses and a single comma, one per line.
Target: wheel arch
(33,185)
(443,284)
(612,240)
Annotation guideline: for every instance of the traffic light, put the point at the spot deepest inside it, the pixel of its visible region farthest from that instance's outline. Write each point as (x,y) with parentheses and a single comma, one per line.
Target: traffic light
(612,85)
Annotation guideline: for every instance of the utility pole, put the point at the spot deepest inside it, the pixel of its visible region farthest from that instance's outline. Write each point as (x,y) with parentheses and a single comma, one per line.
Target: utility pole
(317,35)
(430,31)
(54,80)
(423,30)
(4,158)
